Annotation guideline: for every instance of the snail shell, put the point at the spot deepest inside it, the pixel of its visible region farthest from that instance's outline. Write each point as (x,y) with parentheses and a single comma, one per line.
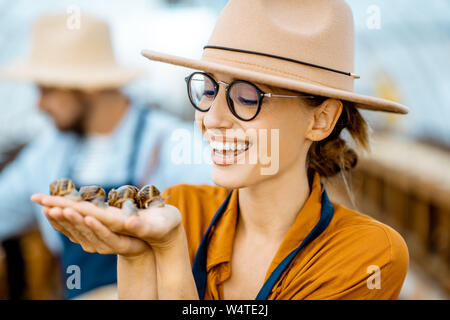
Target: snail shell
(62,187)
(116,197)
(149,196)
(89,193)
(65,188)
(95,194)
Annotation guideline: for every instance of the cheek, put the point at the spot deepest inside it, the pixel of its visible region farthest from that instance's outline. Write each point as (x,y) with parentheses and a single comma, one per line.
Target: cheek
(290,123)
(199,116)
(280,135)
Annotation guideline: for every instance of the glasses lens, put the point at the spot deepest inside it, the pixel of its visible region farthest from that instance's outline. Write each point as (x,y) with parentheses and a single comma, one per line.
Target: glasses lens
(245,99)
(202,91)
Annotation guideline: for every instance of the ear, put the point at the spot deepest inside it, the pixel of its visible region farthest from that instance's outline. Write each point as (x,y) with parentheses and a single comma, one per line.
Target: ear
(324,119)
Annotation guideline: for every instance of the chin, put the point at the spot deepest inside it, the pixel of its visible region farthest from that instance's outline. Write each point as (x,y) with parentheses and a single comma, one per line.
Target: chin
(233,176)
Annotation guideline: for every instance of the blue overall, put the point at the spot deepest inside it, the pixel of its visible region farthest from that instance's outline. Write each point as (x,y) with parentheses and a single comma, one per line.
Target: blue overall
(199,265)
(96,269)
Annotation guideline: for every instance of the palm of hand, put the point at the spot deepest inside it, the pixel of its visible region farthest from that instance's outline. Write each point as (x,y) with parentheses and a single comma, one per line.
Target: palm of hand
(155,225)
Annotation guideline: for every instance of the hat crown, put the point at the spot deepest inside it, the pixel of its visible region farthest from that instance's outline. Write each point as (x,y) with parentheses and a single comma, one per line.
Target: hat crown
(319,32)
(61,42)
(300,45)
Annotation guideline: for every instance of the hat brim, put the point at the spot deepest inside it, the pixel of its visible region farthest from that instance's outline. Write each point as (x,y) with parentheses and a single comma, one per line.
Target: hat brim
(360,101)
(74,78)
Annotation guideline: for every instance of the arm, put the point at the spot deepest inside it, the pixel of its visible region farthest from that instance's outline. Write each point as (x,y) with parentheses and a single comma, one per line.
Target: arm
(162,230)
(174,275)
(136,277)
(16,211)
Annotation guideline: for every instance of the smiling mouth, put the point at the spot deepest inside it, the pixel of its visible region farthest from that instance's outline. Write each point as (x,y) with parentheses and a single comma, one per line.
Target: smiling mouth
(229,149)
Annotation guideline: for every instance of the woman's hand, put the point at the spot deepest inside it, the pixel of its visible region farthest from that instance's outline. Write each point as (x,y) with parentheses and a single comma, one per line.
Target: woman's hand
(88,231)
(158,226)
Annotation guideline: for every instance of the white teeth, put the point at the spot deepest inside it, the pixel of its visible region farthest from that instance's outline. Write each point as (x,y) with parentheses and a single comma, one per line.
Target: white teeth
(228,146)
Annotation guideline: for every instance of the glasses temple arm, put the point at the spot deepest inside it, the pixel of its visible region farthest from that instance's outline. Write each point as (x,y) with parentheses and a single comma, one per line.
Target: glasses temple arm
(286,96)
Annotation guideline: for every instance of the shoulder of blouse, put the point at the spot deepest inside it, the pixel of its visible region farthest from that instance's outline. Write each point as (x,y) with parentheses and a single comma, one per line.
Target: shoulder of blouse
(351,223)
(357,245)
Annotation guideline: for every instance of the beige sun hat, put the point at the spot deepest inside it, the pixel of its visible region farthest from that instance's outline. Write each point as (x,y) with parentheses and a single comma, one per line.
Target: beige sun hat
(300,45)
(78,56)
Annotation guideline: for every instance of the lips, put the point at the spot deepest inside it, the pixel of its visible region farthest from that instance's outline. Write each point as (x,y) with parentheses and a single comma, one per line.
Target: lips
(227,150)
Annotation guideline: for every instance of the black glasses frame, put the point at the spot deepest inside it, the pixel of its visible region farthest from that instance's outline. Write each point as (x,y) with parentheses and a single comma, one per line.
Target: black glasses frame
(227,94)
(261,94)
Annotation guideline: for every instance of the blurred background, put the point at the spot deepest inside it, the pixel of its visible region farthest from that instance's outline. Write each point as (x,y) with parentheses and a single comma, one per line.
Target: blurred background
(402,54)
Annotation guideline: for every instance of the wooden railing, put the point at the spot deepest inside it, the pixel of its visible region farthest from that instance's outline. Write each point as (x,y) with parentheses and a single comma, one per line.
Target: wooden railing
(406,184)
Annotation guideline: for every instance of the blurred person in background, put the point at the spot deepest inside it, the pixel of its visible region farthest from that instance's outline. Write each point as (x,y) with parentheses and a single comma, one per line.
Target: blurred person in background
(99,137)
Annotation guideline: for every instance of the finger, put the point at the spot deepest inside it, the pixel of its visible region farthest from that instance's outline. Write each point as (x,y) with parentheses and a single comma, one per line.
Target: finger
(71,222)
(101,231)
(147,227)
(110,238)
(55,212)
(57,218)
(37,197)
(57,226)
(50,218)
(55,201)
(120,243)
(111,217)
(64,221)
(135,225)
(155,222)
(93,241)
(78,223)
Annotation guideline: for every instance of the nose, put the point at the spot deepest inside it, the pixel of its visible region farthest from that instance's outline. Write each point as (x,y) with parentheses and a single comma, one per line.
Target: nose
(218,116)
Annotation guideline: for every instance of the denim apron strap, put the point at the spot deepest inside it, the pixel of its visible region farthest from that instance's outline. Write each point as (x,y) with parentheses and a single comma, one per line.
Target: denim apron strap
(199,265)
(326,215)
(96,269)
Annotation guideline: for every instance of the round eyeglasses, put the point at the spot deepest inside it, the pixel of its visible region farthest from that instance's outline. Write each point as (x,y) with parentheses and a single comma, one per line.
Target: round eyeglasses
(243,97)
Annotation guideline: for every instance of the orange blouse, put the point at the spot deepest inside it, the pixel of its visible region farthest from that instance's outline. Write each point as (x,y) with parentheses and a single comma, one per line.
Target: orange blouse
(356,257)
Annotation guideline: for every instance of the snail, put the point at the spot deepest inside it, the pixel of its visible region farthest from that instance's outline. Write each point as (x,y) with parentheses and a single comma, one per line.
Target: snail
(95,194)
(149,197)
(64,188)
(124,198)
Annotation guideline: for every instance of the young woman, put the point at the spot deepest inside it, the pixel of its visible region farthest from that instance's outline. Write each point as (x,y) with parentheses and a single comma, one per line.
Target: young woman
(276,75)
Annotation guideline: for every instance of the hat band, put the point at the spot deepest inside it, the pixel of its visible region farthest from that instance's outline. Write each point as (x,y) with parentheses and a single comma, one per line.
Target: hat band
(355,76)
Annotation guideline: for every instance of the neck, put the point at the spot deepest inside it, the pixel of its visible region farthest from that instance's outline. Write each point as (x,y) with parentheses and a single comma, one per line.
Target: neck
(104,112)
(271,207)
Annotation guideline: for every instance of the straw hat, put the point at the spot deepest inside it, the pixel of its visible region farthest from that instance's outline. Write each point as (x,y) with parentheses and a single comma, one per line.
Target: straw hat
(300,45)
(62,56)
